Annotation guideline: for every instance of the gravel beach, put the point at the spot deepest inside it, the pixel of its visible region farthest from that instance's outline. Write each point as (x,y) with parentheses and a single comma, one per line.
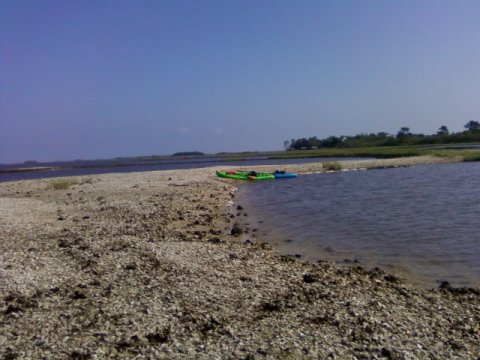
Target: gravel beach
(151,265)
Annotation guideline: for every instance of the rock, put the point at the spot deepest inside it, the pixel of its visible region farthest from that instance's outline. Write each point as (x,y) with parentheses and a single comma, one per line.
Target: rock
(79,355)
(270,306)
(307,278)
(236,230)
(131,266)
(391,278)
(158,337)
(78,295)
(444,285)
(215,240)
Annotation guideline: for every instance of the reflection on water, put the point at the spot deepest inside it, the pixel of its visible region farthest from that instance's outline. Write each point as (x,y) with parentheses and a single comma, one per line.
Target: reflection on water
(419,222)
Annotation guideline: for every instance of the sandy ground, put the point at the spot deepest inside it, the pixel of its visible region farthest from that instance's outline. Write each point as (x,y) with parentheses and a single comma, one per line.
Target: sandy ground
(144,265)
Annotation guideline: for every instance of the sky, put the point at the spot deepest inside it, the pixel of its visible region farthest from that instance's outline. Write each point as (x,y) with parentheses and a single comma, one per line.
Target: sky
(111,78)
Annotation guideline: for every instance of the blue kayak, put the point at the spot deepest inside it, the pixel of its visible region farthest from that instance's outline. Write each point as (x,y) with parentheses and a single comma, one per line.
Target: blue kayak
(284,175)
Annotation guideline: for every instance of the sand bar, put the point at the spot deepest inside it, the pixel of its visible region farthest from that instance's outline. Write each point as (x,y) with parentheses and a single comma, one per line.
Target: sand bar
(143,265)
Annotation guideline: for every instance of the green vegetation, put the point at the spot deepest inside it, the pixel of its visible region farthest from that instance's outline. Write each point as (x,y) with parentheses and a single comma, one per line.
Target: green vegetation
(332,166)
(472,156)
(61,184)
(189,153)
(382,139)
(384,152)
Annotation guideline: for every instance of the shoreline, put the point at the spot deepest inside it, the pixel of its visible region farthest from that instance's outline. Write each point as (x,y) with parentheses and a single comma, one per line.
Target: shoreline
(144,264)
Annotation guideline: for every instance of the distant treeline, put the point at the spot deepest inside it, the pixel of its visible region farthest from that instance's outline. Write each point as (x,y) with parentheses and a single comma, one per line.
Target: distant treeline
(403,137)
(189,153)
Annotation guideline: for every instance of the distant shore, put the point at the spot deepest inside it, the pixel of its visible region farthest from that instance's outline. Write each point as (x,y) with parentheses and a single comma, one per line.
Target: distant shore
(146,265)
(25,169)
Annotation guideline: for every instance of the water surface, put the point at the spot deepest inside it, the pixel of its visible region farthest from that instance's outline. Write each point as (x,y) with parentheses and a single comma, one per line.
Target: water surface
(420,222)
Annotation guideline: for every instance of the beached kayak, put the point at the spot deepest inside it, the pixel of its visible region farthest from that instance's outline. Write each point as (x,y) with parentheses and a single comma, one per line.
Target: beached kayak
(284,175)
(244,175)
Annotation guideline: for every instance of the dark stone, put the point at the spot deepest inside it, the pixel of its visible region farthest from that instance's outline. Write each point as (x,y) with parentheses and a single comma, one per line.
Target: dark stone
(10,355)
(248,241)
(77,355)
(391,278)
(209,325)
(444,285)
(198,233)
(60,218)
(287,258)
(158,337)
(123,344)
(239,207)
(236,230)
(131,266)
(62,243)
(298,255)
(307,278)
(86,217)
(463,290)
(215,240)
(386,353)
(270,306)
(262,351)
(12,309)
(78,295)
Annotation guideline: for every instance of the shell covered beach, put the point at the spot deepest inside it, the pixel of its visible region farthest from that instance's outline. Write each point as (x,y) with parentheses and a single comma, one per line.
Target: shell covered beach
(150,265)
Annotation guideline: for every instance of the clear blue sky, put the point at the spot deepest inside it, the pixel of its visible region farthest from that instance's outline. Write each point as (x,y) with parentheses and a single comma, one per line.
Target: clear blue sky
(99,79)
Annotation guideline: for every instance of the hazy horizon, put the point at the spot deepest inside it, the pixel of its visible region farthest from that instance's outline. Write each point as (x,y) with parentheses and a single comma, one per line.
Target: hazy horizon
(107,79)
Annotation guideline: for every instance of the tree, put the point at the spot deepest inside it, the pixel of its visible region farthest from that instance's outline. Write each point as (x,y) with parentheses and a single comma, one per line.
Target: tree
(472,125)
(286,144)
(443,130)
(403,132)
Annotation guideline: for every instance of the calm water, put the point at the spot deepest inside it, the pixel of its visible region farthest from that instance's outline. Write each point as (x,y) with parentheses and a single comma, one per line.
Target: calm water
(420,222)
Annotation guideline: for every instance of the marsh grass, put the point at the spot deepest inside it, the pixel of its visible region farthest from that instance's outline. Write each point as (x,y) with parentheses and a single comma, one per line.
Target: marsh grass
(472,156)
(384,152)
(332,166)
(63,184)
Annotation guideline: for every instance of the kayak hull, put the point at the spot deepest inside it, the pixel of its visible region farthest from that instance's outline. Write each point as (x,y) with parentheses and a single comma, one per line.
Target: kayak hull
(285,175)
(242,175)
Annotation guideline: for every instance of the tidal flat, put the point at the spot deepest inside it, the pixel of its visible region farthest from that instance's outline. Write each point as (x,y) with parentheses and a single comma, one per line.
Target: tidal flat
(145,265)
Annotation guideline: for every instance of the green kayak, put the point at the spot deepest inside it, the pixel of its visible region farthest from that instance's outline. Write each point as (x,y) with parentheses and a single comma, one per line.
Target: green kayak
(245,175)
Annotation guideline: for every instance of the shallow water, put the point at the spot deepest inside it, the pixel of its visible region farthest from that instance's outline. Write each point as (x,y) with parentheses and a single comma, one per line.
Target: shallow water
(421,223)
